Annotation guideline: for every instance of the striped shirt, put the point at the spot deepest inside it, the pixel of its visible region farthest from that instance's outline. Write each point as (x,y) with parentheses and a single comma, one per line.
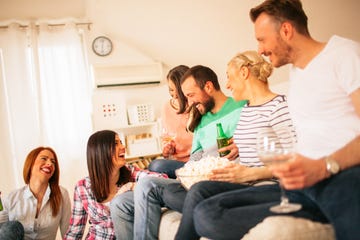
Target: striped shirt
(272,114)
(86,207)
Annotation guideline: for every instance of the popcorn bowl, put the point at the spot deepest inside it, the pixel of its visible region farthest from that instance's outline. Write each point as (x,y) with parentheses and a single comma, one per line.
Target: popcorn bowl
(196,171)
(187,180)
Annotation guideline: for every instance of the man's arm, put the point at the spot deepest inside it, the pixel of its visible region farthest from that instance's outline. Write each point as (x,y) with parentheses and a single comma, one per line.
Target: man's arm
(305,172)
(349,155)
(355,98)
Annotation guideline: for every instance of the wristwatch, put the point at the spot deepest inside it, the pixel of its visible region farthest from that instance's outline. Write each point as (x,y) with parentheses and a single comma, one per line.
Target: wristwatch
(332,166)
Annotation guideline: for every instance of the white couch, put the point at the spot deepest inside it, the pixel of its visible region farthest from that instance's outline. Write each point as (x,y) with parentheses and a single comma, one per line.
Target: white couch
(272,228)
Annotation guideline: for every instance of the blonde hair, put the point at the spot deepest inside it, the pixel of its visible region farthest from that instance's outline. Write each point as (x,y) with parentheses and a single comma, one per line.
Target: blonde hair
(258,66)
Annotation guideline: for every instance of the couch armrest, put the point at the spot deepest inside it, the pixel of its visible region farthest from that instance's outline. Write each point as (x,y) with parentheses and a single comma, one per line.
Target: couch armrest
(286,227)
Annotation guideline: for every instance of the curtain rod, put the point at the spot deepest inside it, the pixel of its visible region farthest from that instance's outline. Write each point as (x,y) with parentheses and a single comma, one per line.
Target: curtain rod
(50,25)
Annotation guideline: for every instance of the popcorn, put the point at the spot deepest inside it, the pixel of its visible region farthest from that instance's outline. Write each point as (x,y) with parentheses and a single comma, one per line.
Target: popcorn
(195,171)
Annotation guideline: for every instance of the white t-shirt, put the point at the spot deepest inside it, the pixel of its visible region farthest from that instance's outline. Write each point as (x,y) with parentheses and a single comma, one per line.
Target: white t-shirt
(319,101)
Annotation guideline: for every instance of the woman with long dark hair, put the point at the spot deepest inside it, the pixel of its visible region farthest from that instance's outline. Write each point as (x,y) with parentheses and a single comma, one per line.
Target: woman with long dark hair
(109,176)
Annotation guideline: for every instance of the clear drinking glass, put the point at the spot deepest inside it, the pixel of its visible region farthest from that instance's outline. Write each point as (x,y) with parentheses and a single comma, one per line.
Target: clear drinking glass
(276,146)
(166,138)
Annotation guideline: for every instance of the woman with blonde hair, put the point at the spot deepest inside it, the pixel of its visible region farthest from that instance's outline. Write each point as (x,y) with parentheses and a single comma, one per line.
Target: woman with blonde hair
(42,206)
(207,201)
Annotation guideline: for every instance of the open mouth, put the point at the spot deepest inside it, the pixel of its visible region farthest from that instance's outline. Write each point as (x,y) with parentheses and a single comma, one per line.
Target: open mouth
(46,170)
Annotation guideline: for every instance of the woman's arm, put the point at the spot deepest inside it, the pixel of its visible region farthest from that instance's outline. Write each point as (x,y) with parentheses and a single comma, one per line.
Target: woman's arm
(237,173)
(79,215)
(65,212)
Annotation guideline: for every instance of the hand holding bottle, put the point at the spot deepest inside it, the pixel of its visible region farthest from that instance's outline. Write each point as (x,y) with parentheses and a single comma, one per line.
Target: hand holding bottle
(234,150)
(222,141)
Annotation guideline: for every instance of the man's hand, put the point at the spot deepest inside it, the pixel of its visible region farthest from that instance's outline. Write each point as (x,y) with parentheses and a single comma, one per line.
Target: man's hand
(234,151)
(300,172)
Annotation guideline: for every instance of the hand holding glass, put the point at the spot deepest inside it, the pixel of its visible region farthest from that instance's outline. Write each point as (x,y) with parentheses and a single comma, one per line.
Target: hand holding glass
(276,147)
(166,138)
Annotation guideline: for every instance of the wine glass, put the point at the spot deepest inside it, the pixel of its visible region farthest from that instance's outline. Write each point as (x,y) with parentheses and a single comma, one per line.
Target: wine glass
(166,138)
(277,146)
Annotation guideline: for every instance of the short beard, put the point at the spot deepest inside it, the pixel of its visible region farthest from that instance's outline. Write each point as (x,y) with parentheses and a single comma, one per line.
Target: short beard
(284,50)
(209,104)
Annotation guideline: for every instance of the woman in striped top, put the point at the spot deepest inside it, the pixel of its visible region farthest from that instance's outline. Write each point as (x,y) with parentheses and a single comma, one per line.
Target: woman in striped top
(247,79)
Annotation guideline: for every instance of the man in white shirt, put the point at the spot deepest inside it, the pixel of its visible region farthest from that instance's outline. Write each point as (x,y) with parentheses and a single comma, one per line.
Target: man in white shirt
(324,103)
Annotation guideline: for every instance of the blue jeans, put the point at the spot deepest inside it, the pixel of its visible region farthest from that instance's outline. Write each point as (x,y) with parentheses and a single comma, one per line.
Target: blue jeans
(122,215)
(140,220)
(208,189)
(11,230)
(148,203)
(232,214)
(165,166)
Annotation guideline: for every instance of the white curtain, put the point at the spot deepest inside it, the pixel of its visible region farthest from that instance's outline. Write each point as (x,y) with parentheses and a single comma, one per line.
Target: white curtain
(46,96)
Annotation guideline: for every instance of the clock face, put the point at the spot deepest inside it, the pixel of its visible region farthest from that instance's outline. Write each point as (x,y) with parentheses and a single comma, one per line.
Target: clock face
(102,46)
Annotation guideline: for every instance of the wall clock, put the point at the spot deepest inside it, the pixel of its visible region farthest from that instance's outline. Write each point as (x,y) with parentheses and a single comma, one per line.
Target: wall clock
(102,46)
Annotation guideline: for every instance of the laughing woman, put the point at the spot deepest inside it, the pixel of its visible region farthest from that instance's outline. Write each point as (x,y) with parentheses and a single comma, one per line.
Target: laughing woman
(37,210)
(109,175)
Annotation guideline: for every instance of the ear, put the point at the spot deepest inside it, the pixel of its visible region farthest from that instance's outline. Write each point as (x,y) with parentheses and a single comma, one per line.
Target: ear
(287,30)
(244,72)
(208,87)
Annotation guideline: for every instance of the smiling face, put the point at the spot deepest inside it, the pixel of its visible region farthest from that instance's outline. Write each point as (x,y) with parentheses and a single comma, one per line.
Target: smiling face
(236,82)
(271,44)
(44,165)
(119,154)
(172,89)
(197,96)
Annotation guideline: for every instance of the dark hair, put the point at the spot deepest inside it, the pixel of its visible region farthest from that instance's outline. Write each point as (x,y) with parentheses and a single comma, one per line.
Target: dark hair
(175,76)
(194,118)
(202,74)
(283,10)
(55,195)
(100,151)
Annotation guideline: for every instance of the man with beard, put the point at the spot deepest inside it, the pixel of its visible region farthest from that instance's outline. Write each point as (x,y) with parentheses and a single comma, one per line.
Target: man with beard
(201,87)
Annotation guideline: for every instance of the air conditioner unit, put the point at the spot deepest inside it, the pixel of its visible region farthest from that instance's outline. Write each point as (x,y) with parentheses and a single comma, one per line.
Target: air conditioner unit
(127,75)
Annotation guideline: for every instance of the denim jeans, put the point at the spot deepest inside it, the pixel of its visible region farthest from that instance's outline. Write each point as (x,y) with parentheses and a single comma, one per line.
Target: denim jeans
(122,215)
(11,230)
(232,214)
(208,189)
(148,196)
(165,166)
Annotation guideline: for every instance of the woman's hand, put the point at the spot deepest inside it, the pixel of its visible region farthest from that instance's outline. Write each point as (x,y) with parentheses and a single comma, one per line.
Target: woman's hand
(300,172)
(130,186)
(168,149)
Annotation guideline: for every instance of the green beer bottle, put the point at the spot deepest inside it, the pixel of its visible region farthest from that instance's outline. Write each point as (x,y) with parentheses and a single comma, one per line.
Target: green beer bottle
(1,206)
(222,140)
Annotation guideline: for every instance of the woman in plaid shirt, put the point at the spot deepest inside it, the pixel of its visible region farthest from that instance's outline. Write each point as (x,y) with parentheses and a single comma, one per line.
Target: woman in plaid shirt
(109,175)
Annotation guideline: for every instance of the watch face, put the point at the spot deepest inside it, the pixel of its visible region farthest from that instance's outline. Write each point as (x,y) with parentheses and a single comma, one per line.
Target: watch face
(102,46)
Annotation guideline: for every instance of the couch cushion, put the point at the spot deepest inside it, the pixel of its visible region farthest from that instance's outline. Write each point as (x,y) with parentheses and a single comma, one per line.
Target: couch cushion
(286,227)
(169,224)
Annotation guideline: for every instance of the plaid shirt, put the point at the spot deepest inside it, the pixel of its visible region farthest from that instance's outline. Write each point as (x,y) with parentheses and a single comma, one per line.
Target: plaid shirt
(85,205)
